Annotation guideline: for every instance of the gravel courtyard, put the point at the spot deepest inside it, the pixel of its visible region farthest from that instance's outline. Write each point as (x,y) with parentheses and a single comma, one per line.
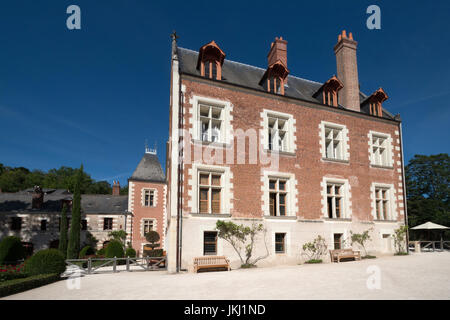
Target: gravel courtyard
(418,276)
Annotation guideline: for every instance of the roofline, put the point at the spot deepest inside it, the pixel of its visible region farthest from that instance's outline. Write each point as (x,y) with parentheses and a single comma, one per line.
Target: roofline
(147,180)
(278,97)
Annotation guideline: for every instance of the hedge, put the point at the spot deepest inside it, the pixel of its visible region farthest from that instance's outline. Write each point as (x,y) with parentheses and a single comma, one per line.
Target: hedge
(114,249)
(19,285)
(48,261)
(11,250)
(154,253)
(130,252)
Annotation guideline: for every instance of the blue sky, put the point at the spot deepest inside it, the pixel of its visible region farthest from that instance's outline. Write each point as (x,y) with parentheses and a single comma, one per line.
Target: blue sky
(94,95)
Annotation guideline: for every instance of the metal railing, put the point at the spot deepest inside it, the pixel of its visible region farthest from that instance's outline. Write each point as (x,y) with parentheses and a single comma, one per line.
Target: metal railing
(429,245)
(92,265)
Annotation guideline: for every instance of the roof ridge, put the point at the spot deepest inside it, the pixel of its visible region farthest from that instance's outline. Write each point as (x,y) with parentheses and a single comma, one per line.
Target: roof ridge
(255,67)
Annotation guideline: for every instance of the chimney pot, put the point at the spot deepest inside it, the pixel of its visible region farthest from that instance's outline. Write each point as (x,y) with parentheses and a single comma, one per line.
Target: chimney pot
(350,36)
(116,188)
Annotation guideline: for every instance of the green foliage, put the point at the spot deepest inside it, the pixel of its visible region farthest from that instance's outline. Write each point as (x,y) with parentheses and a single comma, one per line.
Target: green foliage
(19,285)
(153,253)
(313,261)
(400,240)
(16,179)
(119,235)
(114,249)
(10,272)
(428,189)
(316,249)
(46,262)
(153,238)
(130,252)
(90,241)
(73,247)
(240,236)
(11,250)
(101,252)
(361,239)
(63,232)
(86,251)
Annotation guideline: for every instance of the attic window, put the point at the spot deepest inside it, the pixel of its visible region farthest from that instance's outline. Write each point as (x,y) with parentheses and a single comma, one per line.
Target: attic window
(210,61)
(328,93)
(375,102)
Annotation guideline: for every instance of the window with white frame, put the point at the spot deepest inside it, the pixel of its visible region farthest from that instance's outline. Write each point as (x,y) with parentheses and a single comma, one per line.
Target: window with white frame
(382,203)
(278,197)
(211,123)
(147,226)
(278,133)
(209,192)
(148,198)
(380,151)
(335,200)
(334,143)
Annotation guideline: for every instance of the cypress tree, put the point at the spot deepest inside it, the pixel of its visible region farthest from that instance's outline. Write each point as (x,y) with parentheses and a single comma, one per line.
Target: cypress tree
(63,232)
(73,247)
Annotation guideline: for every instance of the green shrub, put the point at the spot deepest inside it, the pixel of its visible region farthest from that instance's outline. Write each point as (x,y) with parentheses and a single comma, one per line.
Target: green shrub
(154,253)
(368,257)
(11,272)
(11,250)
(248,266)
(87,250)
(130,252)
(114,249)
(101,252)
(314,261)
(46,262)
(19,285)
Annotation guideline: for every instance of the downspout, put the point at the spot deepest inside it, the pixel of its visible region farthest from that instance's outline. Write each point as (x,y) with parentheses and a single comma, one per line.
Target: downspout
(180,177)
(404,189)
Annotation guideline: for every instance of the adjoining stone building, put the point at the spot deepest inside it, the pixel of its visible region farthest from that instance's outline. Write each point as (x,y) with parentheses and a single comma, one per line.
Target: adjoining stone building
(333,160)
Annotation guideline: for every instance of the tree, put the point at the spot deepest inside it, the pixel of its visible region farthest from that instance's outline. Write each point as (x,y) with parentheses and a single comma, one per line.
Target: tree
(63,232)
(361,239)
(73,246)
(119,235)
(428,188)
(240,236)
(400,240)
(315,250)
(153,238)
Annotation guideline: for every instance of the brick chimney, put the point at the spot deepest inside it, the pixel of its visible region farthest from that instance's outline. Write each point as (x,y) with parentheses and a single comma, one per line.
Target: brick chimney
(347,71)
(116,188)
(37,199)
(278,51)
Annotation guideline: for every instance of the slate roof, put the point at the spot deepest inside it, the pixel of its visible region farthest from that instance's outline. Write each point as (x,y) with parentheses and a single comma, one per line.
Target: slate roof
(90,203)
(249,76)
(149,170)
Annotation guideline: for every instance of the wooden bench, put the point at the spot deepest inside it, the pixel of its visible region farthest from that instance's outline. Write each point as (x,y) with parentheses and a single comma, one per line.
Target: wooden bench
(337,255)
(211,262)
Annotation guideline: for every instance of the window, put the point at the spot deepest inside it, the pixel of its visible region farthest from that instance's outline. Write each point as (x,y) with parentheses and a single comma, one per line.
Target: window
(382,203)
(333,143)
(147,226)
(277,196)
(43,225)
(84,225)
(211,69)
(210,189)
(16,223)
(337,241)
(149,198)
(280,246)
(334,200)
(211,118)
(210,243)
(278,134)
(107,223)
(379,151)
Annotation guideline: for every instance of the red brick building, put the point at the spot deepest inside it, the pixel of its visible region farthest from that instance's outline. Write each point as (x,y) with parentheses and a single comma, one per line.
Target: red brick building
(304,158)
(146,201)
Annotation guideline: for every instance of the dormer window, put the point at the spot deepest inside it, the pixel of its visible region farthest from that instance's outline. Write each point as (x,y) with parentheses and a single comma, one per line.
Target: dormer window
(275,77)
(210,61)
(328,92)
(375,102)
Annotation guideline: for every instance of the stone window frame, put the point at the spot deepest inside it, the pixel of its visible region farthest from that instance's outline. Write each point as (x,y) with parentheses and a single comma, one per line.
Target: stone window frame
(155,197)
(226,132)
(291,188)
(393,214)
(389,149)
(347,202)
(215,243)
(345,150)
(142,225)
(226,203)
(291,130)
